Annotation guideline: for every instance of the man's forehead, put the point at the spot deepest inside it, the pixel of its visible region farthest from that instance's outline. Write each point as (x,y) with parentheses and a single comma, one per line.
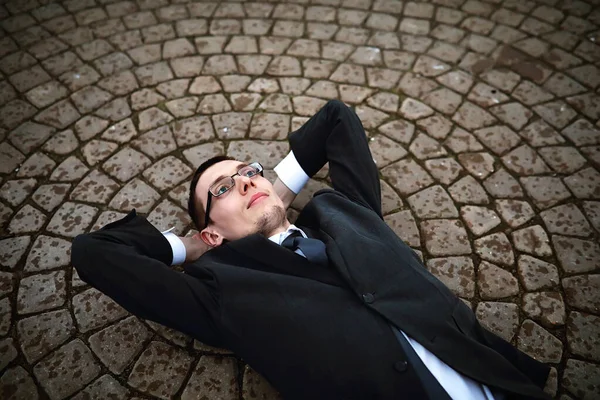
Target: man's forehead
(222,168)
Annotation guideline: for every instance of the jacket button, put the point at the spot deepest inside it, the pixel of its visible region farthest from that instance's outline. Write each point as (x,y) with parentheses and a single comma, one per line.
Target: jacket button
(368,298)
(401,366)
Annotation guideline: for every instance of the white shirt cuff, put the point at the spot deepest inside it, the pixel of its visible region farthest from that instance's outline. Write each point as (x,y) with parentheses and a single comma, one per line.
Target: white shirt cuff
(291,173)
(177,247)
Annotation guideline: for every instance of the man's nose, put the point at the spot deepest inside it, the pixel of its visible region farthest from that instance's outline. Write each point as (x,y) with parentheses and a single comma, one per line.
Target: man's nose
(244,183)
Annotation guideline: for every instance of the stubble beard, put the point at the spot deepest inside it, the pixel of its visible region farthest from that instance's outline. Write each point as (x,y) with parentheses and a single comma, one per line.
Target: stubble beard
(270,220)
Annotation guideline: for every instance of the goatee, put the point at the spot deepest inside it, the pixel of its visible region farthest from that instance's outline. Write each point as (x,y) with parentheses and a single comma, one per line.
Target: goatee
(270,220)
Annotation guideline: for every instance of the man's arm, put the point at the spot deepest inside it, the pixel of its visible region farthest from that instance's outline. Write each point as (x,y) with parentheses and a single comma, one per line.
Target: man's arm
(128,261)
(336,135)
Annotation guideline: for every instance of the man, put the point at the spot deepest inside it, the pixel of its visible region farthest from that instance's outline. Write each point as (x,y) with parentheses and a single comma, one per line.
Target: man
(334,307)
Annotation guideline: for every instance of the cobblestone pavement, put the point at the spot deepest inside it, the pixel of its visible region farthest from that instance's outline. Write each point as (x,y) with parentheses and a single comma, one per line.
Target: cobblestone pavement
(483,117)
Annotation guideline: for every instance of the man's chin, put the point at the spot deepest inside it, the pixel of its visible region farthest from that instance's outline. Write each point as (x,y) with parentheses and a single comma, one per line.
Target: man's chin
(272,217)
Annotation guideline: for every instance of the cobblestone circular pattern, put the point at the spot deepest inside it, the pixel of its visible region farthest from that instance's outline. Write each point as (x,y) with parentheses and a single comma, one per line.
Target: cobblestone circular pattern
(483,117)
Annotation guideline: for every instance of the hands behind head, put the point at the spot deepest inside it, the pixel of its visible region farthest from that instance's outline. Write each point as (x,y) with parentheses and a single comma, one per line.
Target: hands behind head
(194,247)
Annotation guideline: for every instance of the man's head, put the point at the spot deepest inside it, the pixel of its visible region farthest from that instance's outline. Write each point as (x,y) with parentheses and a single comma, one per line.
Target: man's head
(250,206)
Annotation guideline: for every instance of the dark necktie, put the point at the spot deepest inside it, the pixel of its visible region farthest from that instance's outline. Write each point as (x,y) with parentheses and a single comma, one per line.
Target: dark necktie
(313,249)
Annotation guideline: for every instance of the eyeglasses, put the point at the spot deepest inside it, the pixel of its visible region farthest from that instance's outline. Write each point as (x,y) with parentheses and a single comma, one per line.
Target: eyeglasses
(223,185)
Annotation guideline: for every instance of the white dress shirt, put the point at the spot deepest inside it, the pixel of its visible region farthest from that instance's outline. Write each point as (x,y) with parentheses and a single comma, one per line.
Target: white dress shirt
(458,386)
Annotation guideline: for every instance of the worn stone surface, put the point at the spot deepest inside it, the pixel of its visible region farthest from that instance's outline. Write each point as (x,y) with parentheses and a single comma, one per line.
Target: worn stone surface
(481,117)
(546,307)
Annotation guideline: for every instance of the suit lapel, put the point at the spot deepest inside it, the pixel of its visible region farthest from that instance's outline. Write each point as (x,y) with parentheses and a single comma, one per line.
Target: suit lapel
(272,257)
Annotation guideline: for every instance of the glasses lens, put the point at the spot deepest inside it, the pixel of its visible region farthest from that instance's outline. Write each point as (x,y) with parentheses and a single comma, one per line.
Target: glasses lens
(221,186)
(249,171)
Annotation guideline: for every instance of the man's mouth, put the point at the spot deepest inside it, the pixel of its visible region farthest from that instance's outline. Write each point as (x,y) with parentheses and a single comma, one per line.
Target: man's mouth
(256,198)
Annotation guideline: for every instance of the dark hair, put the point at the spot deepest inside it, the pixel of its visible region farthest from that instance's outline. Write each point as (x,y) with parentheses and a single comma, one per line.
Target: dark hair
(195,208)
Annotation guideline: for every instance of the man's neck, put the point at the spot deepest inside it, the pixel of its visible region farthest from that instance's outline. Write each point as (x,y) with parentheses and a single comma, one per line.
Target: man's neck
(282,228)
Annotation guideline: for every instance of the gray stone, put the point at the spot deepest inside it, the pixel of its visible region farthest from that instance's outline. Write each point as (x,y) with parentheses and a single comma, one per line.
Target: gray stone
(27,219)
(495,282)
(536,274)
(71,219)
(582,379)
(15,383)
(42,333)
(532,240)
(403,224)
(12,249)
(582,335)
(495,248)
(583,292)
(213,377)
(445,237)
(104,387)
(546,307)
(500,318)
(48,253)
(457,273)
(41,292)
(433,202)
(576,255)
(117,345)
(136,194)
(539,343)
(93,309)
(67,370)
(160,370)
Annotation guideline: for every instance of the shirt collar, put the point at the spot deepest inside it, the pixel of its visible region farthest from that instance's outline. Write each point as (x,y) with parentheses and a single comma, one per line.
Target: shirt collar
(280,237)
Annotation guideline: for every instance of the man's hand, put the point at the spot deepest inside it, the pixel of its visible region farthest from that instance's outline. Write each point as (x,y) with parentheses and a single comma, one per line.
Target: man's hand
(194,247)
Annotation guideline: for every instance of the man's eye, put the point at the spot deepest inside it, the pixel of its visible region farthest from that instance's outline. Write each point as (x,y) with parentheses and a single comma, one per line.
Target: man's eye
(249,173)
(221,189)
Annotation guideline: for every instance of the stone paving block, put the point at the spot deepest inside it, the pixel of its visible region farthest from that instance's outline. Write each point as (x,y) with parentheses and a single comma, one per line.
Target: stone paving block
(72,366)
(173,89)
(515,212)
(15,191)
(160,370)
(536,274)
(126,164)
(213,103)
(15,112)
(6,283)
(136,194)
(12,249)
(27,219)
(42,333)
(105,386)
(156,143)
(395,173)
(445,237)
(566,219)
(478,164)
(582,292)
(499,317)
(581,378)
(582,335)
(471,117)
(93,309)
(545,191)
(546,307)
(403,224)
(499,139)
(41,292)
(7,352)
(539,343)
(385,151)
(582,132)
(50,196)
(433,202)
(47,253)
(62,143)
(494,282)
(576,255)
(37,165)
(458,273)
(167,215)
(94,188)
(69,170)
(213,376)
(468,190)
(5,315)
(167,173)
(281,103)
(16,382)
(532,240)
(585,183)
(71,219)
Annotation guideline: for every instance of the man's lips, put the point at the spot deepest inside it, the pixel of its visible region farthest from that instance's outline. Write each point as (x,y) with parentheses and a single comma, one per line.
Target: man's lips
(255,197)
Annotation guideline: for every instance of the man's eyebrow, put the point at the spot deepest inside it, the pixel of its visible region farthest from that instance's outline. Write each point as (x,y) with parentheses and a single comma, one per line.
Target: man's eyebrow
(237,168)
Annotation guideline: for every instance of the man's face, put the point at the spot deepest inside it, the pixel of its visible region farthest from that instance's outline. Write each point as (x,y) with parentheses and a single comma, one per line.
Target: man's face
(250,206)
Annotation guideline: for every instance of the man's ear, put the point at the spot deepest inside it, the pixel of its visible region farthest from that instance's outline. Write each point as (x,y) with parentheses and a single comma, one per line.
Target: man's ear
(211,237)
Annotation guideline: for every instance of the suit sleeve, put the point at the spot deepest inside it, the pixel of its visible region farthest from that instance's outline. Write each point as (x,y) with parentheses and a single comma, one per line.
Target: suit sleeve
(128,261)
(336,135)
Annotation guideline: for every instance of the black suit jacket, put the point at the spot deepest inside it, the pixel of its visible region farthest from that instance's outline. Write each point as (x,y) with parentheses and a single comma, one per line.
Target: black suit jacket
(313,332)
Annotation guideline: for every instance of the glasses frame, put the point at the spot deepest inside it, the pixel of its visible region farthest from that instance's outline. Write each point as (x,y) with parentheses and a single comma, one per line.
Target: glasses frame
(257,165)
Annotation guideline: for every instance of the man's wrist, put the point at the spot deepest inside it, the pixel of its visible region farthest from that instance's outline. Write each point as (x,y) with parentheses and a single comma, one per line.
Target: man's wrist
(178,248)
(291,173)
